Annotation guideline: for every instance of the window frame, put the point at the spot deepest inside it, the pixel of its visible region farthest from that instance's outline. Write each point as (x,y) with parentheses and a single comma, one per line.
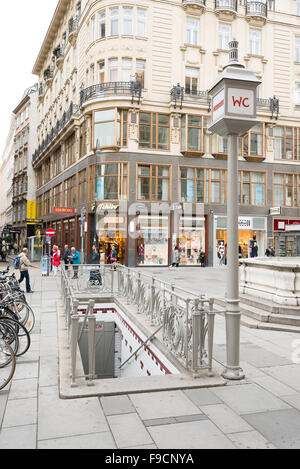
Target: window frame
(156,178)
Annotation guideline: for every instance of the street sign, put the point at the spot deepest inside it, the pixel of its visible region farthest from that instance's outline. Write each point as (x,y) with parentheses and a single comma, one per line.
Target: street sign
(50,232)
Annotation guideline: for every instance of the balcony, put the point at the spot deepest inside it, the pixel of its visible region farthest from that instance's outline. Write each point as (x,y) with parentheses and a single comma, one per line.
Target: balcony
(226,9)
(59,126)
(48,75)
(73,30)
(42,90)
(194,6)
(131,89)
(59,54)
(256,12)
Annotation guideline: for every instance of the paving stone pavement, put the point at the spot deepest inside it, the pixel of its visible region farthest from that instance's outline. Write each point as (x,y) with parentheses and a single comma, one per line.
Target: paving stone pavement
(260,412)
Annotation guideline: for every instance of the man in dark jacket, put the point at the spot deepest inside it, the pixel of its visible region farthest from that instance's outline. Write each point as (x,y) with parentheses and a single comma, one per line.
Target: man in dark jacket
(67,255)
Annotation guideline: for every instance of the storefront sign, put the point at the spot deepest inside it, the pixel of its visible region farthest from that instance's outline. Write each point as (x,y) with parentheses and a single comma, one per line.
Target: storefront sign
(113,220)
(31,209)
(280,224)
(108,206)
(68,210)
(245,223)
(241,102)
(275,211)
(32,221)
(218,106)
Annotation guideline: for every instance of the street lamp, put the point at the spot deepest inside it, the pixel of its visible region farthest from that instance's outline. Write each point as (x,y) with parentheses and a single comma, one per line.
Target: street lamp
(233,113)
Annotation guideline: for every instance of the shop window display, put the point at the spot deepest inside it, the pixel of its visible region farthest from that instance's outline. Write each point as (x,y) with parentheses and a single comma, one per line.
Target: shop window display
(152,240)
(191,240)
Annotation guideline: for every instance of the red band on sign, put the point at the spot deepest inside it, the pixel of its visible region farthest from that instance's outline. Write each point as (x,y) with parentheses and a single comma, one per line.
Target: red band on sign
(220,104)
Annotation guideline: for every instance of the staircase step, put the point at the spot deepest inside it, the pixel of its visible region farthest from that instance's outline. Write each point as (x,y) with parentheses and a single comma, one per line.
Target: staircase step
(254,313)
(289,320)
(269,306)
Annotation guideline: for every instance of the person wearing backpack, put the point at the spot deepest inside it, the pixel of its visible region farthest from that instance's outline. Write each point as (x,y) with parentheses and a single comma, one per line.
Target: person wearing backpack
(24,273)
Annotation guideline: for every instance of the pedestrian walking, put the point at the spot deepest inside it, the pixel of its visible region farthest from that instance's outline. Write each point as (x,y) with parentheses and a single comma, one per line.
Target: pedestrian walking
(24,273)
(95,275)
(67,255)
(75,257)
(55,260)
(175,258)
(3,251)
(202,258)
(15,246)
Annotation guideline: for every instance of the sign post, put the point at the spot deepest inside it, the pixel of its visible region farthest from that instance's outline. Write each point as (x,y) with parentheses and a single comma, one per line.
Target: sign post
(233,114)
(82,223)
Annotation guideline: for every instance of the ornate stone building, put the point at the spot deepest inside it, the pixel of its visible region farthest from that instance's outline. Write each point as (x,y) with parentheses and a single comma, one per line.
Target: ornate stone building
(123,113)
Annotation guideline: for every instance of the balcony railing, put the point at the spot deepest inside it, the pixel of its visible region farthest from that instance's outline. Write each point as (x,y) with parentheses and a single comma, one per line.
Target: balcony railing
(256,9)
(115,88)
(226,5)
(73,25)
(179,95)
(60,124)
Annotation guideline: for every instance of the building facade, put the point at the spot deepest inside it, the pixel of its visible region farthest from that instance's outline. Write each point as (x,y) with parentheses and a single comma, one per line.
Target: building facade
(23,183)
(6,176)
(124,157)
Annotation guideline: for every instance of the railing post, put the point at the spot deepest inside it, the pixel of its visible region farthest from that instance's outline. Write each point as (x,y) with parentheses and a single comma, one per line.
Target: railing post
(112,280)
(210,334)
(91,341)
(74,342)
(196,345)
(187,333)
(138,295)
(152,300)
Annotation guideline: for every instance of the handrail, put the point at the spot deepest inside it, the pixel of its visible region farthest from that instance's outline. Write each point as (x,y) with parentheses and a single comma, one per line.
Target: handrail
(141,346)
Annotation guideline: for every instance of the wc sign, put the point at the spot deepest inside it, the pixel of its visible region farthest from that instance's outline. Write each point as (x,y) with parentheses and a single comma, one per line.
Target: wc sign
(241,101)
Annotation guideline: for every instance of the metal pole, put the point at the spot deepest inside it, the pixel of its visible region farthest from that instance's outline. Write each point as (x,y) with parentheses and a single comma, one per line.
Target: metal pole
(233,314)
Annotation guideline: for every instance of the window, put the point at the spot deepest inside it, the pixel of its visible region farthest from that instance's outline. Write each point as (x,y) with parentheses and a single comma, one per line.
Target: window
(192,31)
(47,203)
(191,80)
(27,113)
(202,185)
(126,69)
(101,24)
(154,131)
(297,94)
(110,127)
(255,42)
(127,21)
(286,143)
(252,188)
(83,140)
(192,133)
(57,196)
(46,171)
(283,190)
(153,182)
(82,187)
(101,72)
(92,75)
(256,139)
(141,23)
(298,7)
(140,71)
(114,21)
(69,196)
(93,31)
(224,36)
(113,69)
(22,117)
(297,49)
(111,181)
(70,150)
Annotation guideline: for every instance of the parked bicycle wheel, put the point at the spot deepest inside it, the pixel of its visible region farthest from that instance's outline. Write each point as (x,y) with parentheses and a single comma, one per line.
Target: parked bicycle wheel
(9,335)
(23,335)
(7,368)
(24,313)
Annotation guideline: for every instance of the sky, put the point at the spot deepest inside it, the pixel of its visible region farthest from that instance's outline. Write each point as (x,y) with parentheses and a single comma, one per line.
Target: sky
(23,26)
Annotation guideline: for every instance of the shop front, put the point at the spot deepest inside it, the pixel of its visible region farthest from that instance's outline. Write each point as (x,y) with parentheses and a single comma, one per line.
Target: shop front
(287,237)
(111,229)
(152,240)
(191,239)
(252,237)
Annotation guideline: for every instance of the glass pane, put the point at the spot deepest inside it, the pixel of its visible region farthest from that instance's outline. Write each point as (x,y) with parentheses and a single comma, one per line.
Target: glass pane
(163,138)
(279,179)
(258,177)
(144,170)
(108,115)
(144,189)
(187,190)
(107,169)
(194,139)
(200,173)
(145,136)
(200,191)
(105,133)
(195,121)
(258,194)
(163,171)
(163,119)
(278,195)
(215,192)
(145,117)
(246,194)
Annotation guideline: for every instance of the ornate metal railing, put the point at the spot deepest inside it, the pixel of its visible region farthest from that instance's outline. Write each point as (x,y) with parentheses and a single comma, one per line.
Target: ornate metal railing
(185,318)
(113,88)
(60,124)
(73,25)
(256,9)
(226,5)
